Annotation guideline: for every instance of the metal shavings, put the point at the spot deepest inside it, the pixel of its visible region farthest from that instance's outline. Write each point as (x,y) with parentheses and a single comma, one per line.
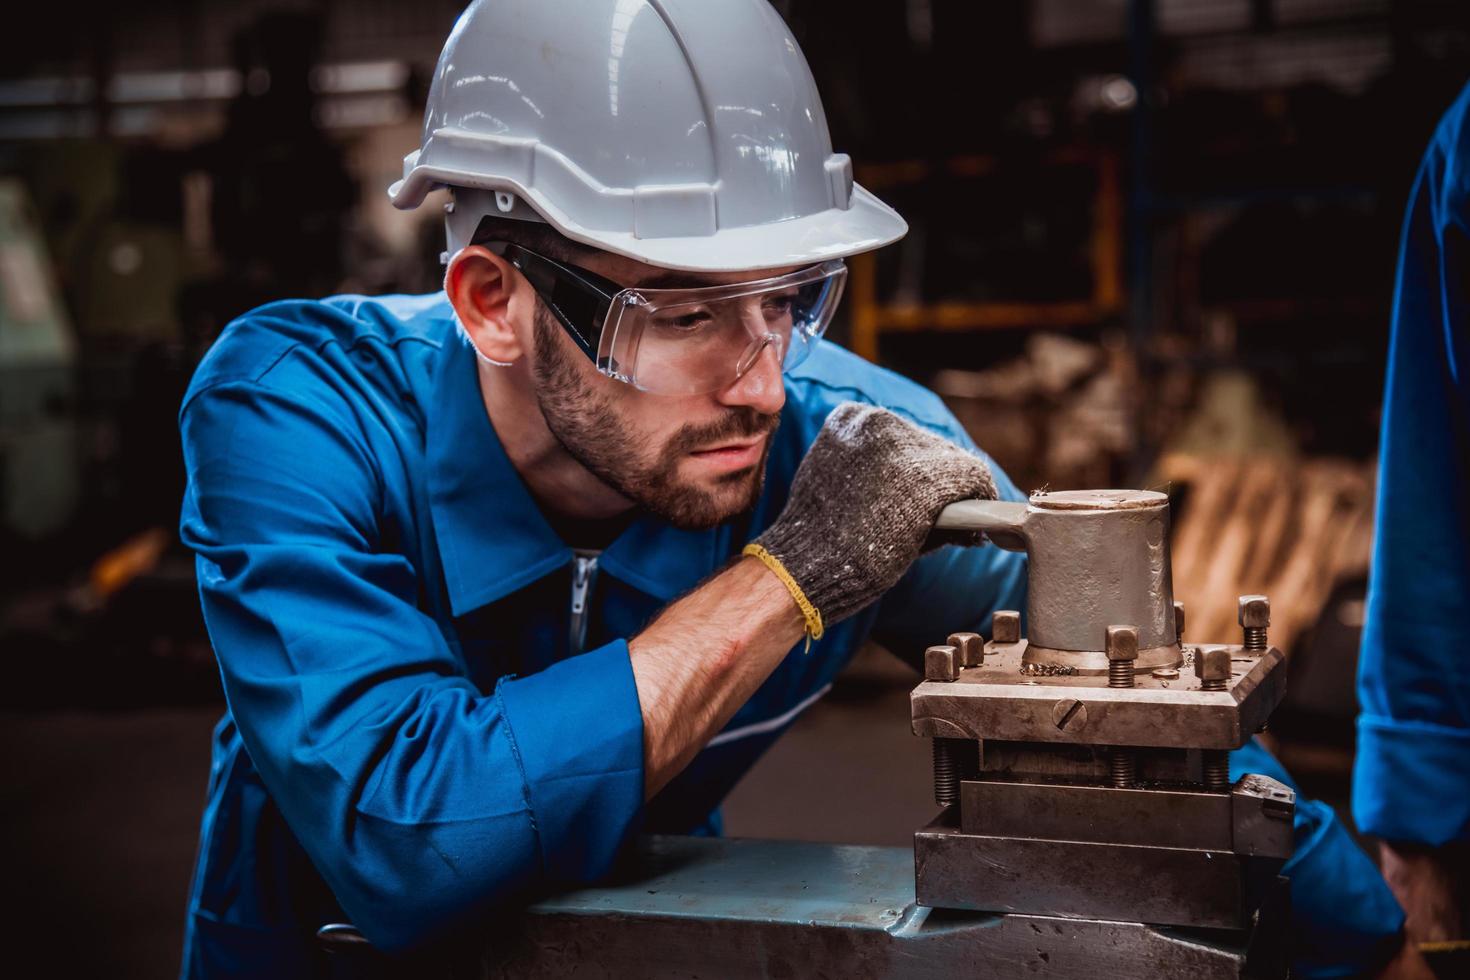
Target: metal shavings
(1047,670)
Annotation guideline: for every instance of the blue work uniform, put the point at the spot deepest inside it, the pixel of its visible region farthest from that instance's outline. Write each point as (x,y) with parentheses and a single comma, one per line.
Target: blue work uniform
(1412,779)
(412,734)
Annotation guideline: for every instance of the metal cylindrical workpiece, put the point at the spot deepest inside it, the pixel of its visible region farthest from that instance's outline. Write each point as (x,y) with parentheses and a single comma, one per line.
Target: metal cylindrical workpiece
(1096,557)
(1099,557)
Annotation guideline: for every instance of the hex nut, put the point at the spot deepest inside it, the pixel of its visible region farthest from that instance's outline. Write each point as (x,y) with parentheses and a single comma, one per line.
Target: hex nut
(1122,643)
(1212,663)
(1255,611)
(941,663)
(971,647)
(1006,626)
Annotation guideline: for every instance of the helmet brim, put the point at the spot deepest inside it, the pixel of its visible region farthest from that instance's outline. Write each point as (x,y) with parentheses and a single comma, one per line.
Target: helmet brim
(867,223)
(836,233)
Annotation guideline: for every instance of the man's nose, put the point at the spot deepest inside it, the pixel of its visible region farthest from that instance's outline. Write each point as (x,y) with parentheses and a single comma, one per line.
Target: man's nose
(760,386)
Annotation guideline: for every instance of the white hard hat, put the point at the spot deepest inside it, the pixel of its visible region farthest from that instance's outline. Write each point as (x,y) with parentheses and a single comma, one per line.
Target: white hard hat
(684,133)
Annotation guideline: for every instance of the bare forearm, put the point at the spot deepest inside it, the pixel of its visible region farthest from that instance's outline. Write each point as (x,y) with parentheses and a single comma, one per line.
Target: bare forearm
(703,658)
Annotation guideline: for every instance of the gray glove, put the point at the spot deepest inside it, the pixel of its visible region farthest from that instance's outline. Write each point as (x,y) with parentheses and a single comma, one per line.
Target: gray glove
(862,504)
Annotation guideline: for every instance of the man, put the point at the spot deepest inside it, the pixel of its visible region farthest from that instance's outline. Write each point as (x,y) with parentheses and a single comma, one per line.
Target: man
(499,577)
(1412,779)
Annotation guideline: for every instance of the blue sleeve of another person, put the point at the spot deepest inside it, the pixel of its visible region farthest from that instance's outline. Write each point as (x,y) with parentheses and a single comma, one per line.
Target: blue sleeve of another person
(1344,920)
(1412,780)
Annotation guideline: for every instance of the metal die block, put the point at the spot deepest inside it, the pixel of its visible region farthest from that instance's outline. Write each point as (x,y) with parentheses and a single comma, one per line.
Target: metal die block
(1253,820)
(1076,879)
(1099,814)
(997,701)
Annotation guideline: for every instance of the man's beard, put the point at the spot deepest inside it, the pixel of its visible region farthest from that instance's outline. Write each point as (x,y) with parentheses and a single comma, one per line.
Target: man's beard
(585,423)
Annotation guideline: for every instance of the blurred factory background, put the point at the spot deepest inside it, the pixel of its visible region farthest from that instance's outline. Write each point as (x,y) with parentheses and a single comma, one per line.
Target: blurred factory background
(1152,245)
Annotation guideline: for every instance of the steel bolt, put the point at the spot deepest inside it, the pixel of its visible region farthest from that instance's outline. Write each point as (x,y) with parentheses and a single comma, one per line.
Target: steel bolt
(1178,621)
(941,663)
(1216,769)
(1123,767)
(971,647)
(1121,645)
(1255,617)
(1005,626)
(954,760)
(1212,667)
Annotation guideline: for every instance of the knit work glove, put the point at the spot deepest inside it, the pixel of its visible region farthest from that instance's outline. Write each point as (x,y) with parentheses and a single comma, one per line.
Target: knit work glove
(862,504)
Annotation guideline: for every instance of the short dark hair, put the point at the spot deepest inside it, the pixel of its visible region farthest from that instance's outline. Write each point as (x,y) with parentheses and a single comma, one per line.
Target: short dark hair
(534,236)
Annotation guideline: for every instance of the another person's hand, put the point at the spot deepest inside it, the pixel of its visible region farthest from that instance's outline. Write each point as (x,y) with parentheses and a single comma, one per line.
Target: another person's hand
(861,506)
(1424,881)
(1409,964)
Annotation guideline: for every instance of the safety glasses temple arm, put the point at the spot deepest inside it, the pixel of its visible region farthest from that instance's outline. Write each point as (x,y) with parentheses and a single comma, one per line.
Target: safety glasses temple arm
(578,298)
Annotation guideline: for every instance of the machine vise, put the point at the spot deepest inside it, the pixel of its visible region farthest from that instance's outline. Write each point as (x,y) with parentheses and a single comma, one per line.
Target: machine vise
(1083,769)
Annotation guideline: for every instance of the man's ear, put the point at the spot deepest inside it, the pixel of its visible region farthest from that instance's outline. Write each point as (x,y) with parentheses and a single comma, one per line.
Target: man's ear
(486,293)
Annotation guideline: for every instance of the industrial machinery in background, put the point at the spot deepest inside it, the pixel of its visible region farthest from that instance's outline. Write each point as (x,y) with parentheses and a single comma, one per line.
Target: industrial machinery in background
(1089,825)
(39,482)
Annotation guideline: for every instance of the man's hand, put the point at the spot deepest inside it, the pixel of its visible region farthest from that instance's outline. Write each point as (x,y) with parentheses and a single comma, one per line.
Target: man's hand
(861,505)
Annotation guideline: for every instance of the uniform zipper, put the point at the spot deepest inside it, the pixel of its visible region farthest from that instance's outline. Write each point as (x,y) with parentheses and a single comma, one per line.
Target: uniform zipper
(584,573)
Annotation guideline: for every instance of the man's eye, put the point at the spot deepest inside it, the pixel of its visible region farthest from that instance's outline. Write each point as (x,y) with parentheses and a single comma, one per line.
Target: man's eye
(777,306)
(685,321)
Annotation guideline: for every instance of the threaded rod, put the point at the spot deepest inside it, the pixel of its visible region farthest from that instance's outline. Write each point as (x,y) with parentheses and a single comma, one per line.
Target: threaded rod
(1123,768)
(1212,684)
(955,759)
(1120,673)
(1255,638)
(1217,769)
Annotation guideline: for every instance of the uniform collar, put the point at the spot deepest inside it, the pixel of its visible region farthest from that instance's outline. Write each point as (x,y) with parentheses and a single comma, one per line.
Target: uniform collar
(493,538)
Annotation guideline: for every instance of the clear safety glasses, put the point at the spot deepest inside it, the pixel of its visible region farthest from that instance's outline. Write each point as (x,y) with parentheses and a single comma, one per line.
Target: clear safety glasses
(684,341)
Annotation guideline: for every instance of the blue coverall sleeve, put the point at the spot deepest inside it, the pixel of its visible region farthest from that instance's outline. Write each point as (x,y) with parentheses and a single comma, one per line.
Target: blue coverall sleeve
(1344,920)
(421,800)
(1412,779)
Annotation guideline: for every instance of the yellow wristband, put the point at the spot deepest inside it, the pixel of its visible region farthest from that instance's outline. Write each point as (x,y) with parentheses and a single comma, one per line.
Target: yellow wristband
(808,611)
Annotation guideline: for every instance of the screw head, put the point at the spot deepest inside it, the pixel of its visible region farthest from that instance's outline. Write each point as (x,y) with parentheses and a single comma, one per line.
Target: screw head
(1069,715)
(971,647)
(1178,620)
(941,663)
(1255,611)
(1212,663)
(1005,626)
(1122,643)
